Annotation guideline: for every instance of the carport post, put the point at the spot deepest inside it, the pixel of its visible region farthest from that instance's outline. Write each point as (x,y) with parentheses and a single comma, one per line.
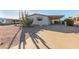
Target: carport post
(65,23)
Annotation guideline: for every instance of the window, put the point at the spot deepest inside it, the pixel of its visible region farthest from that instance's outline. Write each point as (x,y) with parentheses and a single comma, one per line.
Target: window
(39,19)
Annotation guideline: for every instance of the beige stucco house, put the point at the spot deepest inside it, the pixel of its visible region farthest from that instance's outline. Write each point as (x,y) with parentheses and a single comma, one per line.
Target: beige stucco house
(40,19)
(76,20)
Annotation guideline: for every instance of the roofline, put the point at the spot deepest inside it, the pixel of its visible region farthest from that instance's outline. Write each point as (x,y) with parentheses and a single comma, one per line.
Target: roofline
(46,15)
(38,14)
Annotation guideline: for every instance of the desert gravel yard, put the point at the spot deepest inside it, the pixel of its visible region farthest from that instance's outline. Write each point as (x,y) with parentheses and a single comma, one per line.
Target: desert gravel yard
(7,35)
(39,37)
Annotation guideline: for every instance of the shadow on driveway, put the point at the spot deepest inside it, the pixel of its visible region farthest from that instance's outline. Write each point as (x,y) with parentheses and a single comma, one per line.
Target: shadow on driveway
(32,33)
(35,39)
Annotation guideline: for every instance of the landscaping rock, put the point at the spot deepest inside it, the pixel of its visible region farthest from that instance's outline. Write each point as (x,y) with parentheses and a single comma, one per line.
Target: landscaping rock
(1,43)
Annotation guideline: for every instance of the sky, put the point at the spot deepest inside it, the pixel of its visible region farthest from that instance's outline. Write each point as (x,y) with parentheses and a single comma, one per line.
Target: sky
(15,13)
(9,14)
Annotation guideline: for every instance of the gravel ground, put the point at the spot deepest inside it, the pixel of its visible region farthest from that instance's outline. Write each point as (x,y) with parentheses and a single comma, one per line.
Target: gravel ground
(7,35)
(45,37)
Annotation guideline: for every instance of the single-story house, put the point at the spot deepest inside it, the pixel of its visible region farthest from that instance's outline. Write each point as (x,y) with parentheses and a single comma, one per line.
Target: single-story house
(76,20)
(40,19)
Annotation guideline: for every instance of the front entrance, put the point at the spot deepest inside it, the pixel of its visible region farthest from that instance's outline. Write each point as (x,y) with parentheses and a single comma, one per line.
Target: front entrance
(56,22)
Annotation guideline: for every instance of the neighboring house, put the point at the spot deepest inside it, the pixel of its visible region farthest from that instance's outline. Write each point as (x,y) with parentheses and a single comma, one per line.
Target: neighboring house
(8,21)
(76,20)
(39,19)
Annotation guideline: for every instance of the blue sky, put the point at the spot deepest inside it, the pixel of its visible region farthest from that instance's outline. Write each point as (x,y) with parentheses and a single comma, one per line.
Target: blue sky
(15,13)
(9,13)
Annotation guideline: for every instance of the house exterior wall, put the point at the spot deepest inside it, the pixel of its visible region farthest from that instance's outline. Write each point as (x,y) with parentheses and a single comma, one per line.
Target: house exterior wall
(76,20)
(44,21)
(76,23)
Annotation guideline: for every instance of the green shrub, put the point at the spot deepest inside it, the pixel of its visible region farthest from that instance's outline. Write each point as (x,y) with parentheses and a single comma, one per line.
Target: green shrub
(69,21)
(25,20)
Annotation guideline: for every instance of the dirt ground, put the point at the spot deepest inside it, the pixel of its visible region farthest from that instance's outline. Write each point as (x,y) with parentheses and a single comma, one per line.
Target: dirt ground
(39,37)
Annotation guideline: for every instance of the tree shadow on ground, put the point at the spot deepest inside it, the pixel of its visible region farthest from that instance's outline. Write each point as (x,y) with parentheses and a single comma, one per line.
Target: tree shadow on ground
(22,38)
(35,39)
(32,33)
(13,38)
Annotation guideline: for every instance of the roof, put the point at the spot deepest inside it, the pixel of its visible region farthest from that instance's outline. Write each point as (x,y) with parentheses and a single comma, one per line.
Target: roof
(50,16)
(38,14)
(56,16)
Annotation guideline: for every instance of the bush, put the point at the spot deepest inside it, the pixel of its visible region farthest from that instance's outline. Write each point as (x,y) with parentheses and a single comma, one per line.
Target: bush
(69,21)
(28,22)
(25,20)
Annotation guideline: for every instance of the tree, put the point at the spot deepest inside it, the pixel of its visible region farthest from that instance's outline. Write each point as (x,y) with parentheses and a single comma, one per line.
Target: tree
(25,20)
(69,21)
